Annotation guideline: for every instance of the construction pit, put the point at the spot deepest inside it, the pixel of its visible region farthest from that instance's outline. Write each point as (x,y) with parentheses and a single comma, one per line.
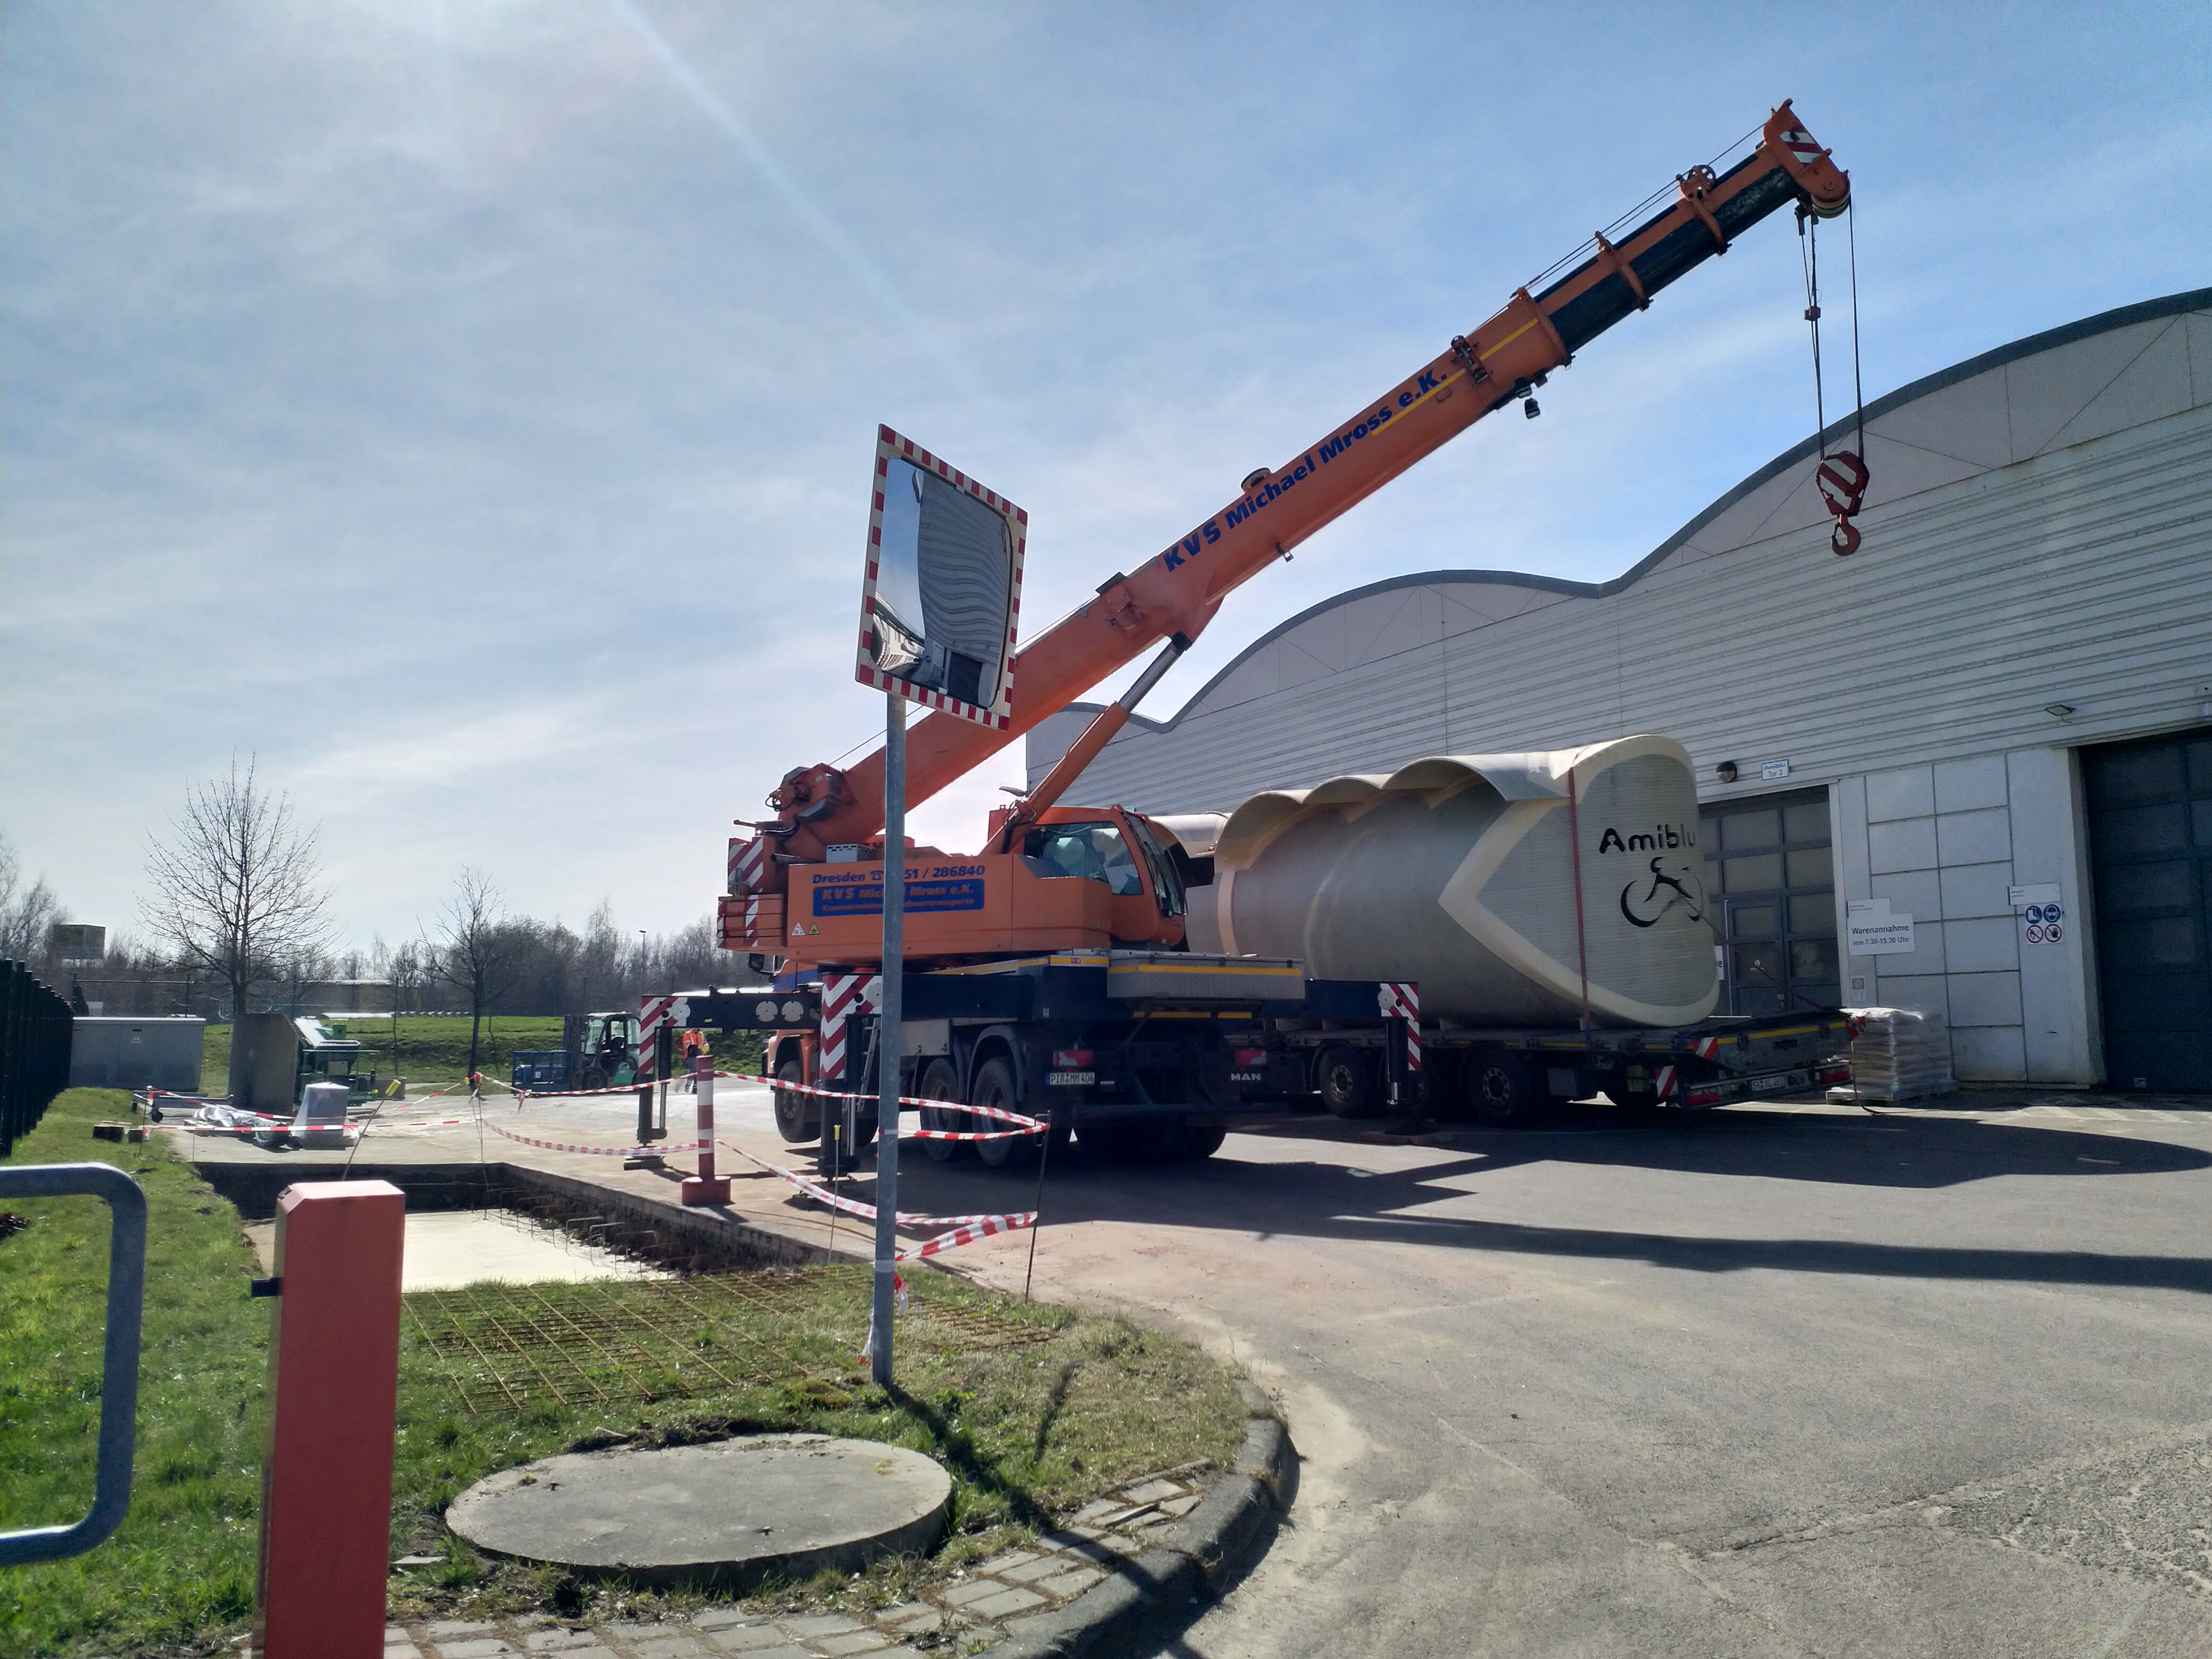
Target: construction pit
(544,1279)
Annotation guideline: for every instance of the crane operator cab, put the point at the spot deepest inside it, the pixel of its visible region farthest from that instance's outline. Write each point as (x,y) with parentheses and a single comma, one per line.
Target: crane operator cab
(1095,852)
(1118,852)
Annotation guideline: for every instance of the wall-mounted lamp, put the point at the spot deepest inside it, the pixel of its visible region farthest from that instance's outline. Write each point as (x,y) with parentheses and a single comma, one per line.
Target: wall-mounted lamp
(2059,711)
(1725,771)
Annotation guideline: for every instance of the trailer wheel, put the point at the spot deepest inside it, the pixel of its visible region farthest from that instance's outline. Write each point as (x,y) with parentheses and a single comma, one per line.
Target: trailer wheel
(1501,1093)
(994,1087)
(941,1082)
(1345,1081)
(798,1117)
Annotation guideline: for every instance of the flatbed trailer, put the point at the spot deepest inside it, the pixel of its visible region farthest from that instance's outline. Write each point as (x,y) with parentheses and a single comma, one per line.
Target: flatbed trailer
(1157,1052)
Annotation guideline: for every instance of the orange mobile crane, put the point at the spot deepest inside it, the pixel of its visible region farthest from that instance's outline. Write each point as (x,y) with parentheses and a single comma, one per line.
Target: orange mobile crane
(795,894)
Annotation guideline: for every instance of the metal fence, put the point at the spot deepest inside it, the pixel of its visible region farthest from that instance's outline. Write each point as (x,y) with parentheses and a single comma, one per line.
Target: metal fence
(34,1051)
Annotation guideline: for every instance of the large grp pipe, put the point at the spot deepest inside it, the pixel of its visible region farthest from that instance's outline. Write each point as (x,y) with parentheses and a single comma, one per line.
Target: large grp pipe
(1463,872)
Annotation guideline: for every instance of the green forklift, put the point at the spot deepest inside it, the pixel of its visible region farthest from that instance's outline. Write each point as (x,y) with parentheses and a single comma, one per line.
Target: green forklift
(596,1051)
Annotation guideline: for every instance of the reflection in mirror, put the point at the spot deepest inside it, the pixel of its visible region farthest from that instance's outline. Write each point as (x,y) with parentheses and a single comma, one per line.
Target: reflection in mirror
(944,586)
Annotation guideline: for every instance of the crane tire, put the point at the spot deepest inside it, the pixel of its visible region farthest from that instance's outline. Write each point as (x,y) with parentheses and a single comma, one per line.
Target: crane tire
(798,1117)
(1200,1142)
(995,1086)
(940,1082)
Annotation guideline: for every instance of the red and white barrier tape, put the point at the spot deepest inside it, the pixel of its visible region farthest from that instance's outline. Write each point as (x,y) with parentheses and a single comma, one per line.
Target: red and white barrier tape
(267,1123)
(624,1089)
(966,1229)
(598,1152)
(959,1236)
(1024,1125)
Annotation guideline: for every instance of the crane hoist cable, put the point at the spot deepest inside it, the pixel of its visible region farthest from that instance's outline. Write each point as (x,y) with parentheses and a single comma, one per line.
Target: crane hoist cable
(1842,476)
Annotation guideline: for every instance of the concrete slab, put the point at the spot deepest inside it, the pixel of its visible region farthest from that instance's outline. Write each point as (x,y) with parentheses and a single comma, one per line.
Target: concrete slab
(450,1249)
(742,1508)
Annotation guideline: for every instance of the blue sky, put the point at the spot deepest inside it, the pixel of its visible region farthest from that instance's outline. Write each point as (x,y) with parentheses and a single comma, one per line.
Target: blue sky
(468,409)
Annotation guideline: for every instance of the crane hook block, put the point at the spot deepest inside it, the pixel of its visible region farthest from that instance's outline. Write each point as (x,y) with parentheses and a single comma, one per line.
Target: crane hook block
(1843,479)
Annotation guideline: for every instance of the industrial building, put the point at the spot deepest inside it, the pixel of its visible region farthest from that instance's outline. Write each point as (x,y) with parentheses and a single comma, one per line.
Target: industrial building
(1995,720)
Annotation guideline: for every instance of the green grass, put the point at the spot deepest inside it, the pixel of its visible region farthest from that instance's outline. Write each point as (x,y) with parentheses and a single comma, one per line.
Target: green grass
(1029,1429)
(434,1049)
(183,1562)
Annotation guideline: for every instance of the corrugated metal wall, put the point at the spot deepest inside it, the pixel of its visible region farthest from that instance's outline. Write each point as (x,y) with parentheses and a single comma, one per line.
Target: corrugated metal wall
(2039,532)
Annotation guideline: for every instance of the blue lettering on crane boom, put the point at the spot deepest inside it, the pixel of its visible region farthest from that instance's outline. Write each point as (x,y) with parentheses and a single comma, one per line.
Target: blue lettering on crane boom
(1425,384)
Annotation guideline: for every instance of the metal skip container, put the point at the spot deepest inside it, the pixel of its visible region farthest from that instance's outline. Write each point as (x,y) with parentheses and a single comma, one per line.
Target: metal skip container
(1462,873)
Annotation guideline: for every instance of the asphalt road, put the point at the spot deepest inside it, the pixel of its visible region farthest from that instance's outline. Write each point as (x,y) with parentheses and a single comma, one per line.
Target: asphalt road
(1761,1381)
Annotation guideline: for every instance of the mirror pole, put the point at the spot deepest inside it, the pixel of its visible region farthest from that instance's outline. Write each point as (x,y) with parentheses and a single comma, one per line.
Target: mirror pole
(887,1043)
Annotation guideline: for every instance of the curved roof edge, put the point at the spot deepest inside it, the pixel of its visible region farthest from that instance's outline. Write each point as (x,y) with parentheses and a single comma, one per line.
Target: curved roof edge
(2104,322)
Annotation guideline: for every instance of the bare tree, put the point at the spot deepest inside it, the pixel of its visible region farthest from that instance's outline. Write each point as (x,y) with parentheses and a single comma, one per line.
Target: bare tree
(237,889)
(28,914)
(402,970)
(475,952)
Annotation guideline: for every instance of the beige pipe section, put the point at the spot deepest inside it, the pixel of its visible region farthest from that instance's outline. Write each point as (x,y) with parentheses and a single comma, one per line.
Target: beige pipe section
(1458,871)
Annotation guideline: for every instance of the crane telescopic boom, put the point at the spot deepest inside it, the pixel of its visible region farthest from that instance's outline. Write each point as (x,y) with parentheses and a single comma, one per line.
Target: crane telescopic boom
(1177,591)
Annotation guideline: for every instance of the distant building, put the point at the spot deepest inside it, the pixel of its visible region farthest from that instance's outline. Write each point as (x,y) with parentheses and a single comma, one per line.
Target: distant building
(78,941)
(1995,718)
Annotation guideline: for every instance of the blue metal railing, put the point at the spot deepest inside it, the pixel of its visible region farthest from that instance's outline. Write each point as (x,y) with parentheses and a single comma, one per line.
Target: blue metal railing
(119,1384)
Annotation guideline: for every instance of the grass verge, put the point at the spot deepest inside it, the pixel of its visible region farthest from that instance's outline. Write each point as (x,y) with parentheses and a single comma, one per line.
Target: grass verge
(183,1562)
(1032,1410)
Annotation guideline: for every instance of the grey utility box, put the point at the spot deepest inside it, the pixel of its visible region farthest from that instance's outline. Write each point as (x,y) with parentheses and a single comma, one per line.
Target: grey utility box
(161,1053)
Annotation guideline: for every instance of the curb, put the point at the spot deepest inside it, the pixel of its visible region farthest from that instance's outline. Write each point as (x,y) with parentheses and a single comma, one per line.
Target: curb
(1205,1554)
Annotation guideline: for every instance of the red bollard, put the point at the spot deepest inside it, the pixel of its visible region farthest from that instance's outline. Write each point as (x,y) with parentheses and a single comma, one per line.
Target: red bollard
(334,1394)
(706,1187)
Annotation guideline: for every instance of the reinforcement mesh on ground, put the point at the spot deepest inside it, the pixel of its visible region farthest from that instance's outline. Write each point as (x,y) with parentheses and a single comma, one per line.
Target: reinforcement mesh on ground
(499,1346)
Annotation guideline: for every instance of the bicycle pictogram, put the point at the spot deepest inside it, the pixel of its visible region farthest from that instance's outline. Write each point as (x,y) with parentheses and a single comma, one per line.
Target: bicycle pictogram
(1649,910)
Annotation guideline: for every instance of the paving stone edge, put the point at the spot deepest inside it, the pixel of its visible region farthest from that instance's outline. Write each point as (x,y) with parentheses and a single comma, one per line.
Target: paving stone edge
(1205,1554)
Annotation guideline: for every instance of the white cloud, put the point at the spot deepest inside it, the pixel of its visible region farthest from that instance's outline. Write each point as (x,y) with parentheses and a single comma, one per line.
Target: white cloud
(436,402)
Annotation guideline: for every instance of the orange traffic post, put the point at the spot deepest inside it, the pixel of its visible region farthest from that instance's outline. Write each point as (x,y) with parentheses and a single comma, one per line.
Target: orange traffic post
(706,1187)
(334,1391)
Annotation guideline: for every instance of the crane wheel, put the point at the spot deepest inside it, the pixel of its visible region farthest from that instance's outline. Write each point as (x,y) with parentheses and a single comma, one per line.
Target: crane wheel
(798,1117)
(1200,1142)
(941,1082)
(1136,1141)
(994,1087)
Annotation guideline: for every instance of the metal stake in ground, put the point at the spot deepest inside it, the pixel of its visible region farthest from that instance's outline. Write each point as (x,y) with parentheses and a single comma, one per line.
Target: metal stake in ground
(887,1037)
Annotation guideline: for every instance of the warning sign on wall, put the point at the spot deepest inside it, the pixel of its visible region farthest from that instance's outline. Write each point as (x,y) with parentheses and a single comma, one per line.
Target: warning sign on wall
(2042,916)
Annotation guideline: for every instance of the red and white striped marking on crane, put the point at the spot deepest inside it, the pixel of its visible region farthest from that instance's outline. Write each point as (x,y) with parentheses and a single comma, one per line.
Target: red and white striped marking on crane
(1665,1085)
(1400,998)
(748,865)
(1801,144)
(1705,1048)
(652,1013)
(843,995)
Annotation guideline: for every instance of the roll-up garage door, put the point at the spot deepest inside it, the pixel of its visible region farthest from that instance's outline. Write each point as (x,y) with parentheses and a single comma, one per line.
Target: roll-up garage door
(2150,851)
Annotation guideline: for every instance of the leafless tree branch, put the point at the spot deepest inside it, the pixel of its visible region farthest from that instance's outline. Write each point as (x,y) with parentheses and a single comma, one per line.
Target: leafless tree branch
(477,947)
(237,888)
